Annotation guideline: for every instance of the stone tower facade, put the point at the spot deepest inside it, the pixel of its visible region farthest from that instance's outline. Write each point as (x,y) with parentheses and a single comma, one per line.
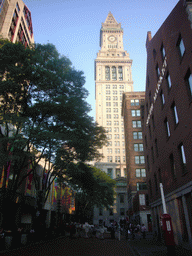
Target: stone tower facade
(113,77)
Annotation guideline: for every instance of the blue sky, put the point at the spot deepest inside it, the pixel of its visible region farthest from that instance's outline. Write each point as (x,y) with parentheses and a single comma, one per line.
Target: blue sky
(73,26)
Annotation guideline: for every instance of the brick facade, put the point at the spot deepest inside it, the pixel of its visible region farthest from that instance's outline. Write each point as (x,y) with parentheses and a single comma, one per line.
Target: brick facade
(167,120)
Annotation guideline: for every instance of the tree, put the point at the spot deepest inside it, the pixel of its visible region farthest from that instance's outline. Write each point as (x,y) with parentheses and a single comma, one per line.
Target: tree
(43,110)
(93,187)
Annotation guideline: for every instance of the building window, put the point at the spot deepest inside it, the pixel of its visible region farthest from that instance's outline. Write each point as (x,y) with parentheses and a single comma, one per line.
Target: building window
(154,54)
(116,129)
(136,124)
(162,98)
(174,111)
(167,128)
(109,143)
(108,104)
(17,6)
(108,129)
(115,116)
(109,150)
(109,159)
(182,157)
(115,104)
(169,81)
(141,186)
(108,116)
(142,199)
(163,52)
(138,147)
(117,159)
(114,86)
(117,151)
(157,71)
(181,46)
(109,136)
(108,110)
(188,80)
(135,112)
(117,143)
(115,97)
(109,172)
(115,110)
(172,164)
(108,97)
(108,122)
(116,122)
(107,73)
(140,173)
(118,173)
(114,73)
(107,86)
(120,72)
(100,211)
(135,102)
(137,136)
(139,160)
(123,159)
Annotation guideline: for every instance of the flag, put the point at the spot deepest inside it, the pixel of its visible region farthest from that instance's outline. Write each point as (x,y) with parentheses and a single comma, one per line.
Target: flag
(29,181)
(8,171)
(2,178)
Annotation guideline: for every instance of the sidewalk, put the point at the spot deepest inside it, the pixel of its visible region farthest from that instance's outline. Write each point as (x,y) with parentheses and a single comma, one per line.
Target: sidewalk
(151,247)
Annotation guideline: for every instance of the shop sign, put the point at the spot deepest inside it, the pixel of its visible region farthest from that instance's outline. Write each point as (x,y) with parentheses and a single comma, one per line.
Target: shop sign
(159,83)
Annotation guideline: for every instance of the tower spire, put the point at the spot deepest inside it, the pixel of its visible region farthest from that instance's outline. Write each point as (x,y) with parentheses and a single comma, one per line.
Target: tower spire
(111,23)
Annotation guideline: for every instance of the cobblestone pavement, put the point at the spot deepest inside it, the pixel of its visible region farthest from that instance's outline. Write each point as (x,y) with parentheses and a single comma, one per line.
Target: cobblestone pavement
(97,247)
(152,247)
(75,247)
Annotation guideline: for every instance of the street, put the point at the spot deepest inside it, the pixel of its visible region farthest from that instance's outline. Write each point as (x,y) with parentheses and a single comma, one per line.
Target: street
(74,246)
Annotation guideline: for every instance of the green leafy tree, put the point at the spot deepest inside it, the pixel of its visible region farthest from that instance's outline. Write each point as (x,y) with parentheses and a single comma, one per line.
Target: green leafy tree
(43,110)
(93,187)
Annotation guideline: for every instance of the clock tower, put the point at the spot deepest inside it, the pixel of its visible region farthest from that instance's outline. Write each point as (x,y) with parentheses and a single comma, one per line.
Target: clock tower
(113,76)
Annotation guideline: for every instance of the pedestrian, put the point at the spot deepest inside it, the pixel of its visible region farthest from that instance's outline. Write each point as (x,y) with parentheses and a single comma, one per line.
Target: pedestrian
(143,231)
(132,229)
(112,230)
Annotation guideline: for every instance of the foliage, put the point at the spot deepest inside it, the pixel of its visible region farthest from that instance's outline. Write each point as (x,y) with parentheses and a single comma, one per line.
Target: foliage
(93,187)
(43,112)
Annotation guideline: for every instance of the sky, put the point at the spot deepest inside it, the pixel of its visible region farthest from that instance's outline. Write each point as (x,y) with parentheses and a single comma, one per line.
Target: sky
(73,26)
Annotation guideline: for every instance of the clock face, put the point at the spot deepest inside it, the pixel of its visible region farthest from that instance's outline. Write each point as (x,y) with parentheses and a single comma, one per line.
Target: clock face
(112,38)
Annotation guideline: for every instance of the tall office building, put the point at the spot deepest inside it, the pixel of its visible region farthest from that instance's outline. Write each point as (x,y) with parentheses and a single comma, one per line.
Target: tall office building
(113,76)
(16,22)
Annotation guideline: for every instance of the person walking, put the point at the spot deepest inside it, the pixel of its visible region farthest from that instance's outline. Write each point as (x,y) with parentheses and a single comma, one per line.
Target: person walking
(143,231)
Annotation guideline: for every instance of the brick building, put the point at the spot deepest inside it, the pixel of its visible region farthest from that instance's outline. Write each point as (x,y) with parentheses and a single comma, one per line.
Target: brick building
(16,22)
(138,208)
(167,120)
